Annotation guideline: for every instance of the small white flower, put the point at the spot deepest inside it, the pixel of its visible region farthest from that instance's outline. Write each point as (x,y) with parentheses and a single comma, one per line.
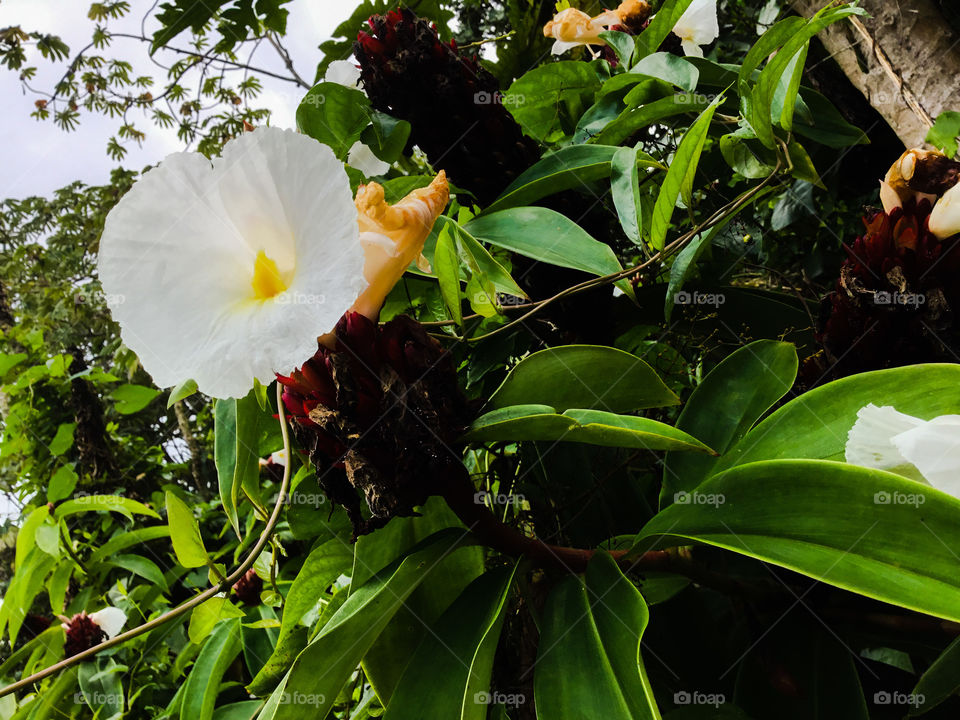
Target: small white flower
(699,25)
(279,458)
(885,439)
(228,271)
(360,157)
(111,620)
(945,218)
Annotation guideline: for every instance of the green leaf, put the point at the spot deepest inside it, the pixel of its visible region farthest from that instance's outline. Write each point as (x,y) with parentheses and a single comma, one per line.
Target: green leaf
(479,260)
(634,119)
(594,427)
(63,440)
(787,94)
(203,682)
(595,627)
(102,503)
(815,425)
(803,168)
(669,68)
(62,483)
(547,236)
(8,361)
(225,457)
(138,565)
(323,565)
(941,680)
(680,176)
(548,100)
(660,26)
(205,617)
(386,136)
(864,530)
(101,687)
(740,157)
(48,538)
(583,376)
(623,45)
(433,686)
(625,186)
(723,408)
(132,398)
(327,662)
(243,710)
(826,125)
(943,135)
(185,533)
(335,115)
(446,264)
(181,392)
(128,539)
(176,16)
(571,167)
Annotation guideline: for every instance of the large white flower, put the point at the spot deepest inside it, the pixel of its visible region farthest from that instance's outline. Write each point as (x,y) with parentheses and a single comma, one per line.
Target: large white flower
(346,73)
(885,439)
(699,25)
(945,218)
(228,271)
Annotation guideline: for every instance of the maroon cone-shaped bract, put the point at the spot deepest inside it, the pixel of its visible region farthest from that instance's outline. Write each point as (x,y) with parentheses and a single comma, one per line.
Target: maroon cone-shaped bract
(379,415)
(895,302)
(453,105)
(248,588)
(82,634)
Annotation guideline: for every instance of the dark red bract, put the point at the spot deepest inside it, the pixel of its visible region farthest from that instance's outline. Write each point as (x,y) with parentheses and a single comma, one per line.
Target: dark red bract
(82,634)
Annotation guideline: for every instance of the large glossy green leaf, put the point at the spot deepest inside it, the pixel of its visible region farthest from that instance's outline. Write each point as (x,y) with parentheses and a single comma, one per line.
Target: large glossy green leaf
(941,680)
(728,402)
(815,425)
(133,398)
(551,96)
(205,617)
(867,531)
(386,659)
(595,627)
(335,115)
(237,430)
(571,167)
(325,664)
(185,533)
(139,565)
(101,687)
(103,503)
(323,565)
(636,118)
(670,68)
(592,377)
(203,683)
(449,674)
(680,176)
(545,235)
(127,539)
(625,188)
(244,710)
(446,264)
(661,26)
(478,260)
(594,427)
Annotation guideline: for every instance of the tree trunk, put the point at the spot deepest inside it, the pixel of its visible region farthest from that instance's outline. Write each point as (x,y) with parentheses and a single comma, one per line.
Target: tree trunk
(904,57)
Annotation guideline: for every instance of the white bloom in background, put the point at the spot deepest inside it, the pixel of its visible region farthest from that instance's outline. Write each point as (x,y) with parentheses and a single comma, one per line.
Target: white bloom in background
(228,271)
(884,438)
(360,157)
(111,620)
(945,218)
(699,25)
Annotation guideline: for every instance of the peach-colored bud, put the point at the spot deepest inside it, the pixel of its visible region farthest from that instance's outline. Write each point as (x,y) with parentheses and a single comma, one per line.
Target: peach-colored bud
(572,27)
(895,189)
(945,218)
(393,235)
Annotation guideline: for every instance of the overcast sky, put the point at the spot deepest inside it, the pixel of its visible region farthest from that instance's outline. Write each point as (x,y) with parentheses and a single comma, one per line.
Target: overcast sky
(38,157)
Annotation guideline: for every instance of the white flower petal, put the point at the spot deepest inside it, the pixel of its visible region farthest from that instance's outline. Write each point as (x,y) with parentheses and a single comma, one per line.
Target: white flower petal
(111,620)
(945,218)
(279,457)
(178,253)
(699,23)
(870,441)
(343,72)
(561,46)
(934,449)
(691,49)
(362,158)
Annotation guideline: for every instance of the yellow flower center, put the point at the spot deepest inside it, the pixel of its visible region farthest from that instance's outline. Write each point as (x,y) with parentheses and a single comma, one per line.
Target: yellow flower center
(267,281)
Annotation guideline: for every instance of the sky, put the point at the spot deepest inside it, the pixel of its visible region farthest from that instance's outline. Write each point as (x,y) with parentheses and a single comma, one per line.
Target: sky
(38,157)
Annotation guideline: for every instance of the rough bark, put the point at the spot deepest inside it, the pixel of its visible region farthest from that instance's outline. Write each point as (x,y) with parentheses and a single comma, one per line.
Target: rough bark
(904,58)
